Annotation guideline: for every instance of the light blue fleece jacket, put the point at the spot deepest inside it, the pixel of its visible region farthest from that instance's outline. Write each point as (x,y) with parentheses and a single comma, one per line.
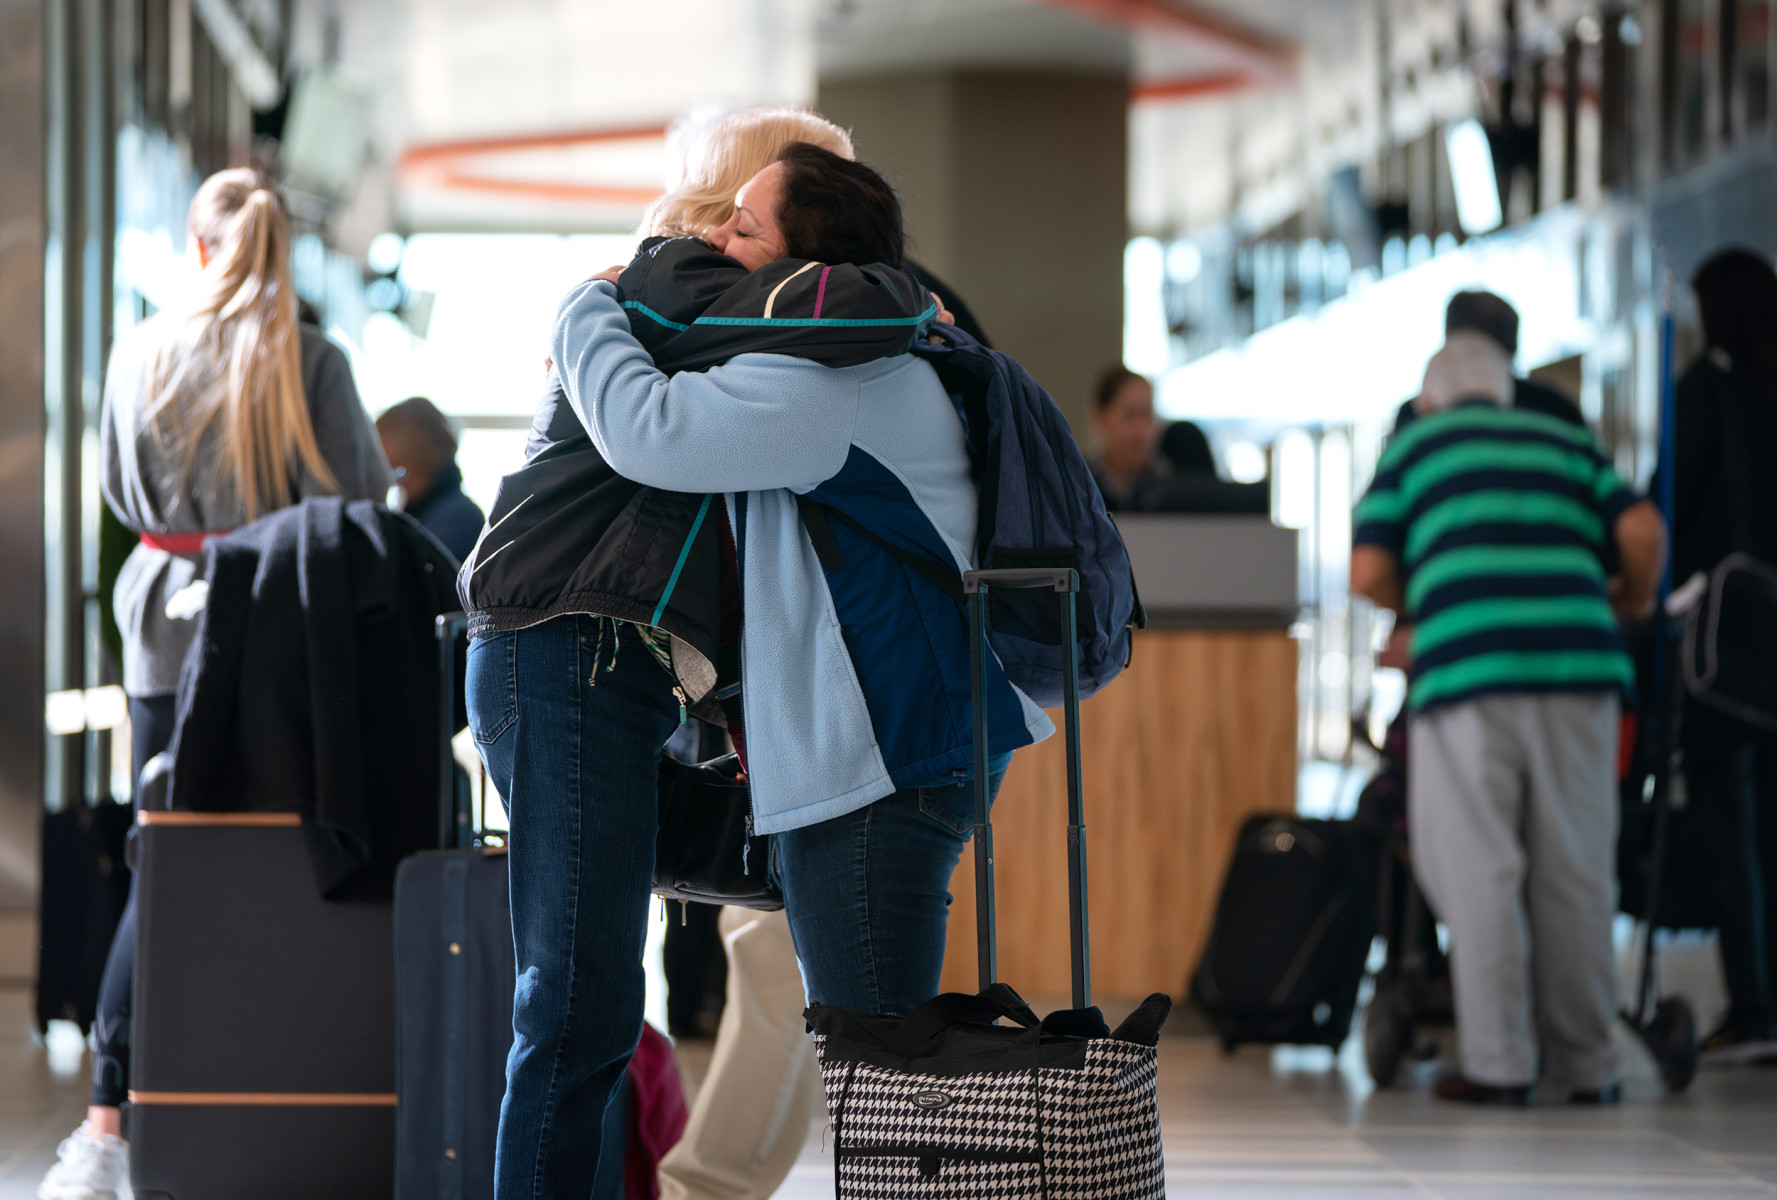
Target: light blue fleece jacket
(772,426)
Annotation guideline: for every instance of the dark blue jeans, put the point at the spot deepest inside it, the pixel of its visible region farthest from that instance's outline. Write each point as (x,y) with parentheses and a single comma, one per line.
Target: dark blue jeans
(569,717)
(868,896)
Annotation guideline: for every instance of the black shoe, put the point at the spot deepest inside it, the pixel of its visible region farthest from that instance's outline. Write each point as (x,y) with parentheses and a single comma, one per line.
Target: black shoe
(1467,1091)
(1610,1093)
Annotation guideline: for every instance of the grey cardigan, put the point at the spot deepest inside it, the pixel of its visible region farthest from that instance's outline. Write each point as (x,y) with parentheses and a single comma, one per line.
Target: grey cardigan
(148,491)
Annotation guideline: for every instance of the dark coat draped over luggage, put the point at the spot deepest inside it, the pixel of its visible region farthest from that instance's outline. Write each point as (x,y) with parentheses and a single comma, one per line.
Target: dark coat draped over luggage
(313,685)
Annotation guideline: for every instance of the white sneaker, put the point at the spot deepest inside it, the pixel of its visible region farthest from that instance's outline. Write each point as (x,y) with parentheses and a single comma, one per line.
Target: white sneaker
(88,1168)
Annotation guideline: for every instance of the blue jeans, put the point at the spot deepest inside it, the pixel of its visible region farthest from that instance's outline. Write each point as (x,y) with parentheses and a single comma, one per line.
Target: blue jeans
(569,717)
(868,896)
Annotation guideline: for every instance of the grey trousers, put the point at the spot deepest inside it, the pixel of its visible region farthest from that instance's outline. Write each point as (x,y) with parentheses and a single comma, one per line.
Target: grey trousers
(1513,810)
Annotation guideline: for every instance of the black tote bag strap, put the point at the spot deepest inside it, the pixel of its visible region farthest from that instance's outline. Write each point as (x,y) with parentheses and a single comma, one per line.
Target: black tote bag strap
(1065,582)
(955,1008)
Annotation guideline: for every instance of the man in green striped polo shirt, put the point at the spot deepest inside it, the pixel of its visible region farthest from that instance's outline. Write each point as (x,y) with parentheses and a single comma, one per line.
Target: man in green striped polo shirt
(1490,528)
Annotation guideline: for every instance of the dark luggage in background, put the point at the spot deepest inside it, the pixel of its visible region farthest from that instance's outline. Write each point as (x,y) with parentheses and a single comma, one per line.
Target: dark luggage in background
(454,979)
(264,1019)
(1292,932)
(454,976)
(944,1102)
(85,886)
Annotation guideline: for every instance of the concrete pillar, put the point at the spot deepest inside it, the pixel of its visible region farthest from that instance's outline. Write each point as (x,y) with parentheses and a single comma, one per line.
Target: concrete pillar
(1016,190)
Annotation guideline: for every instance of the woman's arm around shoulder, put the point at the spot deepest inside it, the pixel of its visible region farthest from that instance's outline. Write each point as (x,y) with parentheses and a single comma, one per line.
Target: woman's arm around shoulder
(343,430)
(756,422)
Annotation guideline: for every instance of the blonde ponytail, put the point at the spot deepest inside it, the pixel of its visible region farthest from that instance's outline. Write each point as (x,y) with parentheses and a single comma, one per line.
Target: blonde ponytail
(231,361)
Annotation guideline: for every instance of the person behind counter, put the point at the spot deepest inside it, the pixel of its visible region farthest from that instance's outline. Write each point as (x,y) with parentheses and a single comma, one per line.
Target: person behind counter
(1180,478)
(1127,434)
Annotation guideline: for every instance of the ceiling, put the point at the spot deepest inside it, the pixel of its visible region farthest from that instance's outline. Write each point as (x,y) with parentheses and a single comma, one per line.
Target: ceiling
(554,114)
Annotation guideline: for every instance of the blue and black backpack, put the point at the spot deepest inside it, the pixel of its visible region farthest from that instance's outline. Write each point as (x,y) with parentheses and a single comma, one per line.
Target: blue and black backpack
(1038,507)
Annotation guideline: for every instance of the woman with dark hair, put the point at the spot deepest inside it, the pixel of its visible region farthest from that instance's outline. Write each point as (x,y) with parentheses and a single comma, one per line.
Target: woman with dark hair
(1726,502)
(1125,435)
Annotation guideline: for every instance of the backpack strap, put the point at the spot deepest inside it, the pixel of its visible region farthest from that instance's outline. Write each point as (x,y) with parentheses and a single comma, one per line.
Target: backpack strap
(816,517)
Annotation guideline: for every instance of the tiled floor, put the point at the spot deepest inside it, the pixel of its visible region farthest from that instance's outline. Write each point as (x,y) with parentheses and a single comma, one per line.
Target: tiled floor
(1267,1125)
(1262,1125)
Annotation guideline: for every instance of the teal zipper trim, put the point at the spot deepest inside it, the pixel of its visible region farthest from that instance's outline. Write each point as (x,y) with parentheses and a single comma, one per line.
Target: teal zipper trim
(638,306)
(820,322)
(684,553)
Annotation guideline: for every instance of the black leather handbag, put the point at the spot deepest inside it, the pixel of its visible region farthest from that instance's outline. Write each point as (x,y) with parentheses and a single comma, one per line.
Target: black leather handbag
(706,851)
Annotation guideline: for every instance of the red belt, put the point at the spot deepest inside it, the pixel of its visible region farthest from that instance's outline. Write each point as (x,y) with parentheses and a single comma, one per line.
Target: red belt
(179,543)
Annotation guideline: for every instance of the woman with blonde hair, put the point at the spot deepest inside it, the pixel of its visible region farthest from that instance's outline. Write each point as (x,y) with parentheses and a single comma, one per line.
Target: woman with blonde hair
(723,153)
(219,409)
(596,609)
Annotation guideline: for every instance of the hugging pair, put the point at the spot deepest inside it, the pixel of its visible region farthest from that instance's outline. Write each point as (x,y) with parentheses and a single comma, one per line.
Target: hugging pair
(701,398)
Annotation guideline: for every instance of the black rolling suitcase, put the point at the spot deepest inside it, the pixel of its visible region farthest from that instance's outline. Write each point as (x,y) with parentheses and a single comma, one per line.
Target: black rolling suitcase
(454,979)
(1292,932)
(85,886)
(945,1102)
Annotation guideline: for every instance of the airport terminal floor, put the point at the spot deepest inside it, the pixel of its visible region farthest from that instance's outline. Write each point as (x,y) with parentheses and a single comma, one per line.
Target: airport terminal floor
(1260,1125)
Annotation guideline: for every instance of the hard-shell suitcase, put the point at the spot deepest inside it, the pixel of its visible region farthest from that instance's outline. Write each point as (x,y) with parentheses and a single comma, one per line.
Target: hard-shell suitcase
(1292,932)
(947,1103)
(85,886)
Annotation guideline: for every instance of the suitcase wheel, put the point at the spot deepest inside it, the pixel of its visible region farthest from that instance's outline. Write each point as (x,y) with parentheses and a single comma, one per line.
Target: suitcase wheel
(1388,1032)
(1671,1037)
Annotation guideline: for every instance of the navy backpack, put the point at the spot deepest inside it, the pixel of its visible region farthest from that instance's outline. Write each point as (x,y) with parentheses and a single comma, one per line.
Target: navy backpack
(1038,507)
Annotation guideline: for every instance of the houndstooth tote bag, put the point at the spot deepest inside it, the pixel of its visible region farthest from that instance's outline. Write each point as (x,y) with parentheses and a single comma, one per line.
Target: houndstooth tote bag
(944,1104)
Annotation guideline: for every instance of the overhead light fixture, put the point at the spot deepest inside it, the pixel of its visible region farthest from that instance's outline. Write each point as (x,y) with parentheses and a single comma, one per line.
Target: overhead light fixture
(1471,171)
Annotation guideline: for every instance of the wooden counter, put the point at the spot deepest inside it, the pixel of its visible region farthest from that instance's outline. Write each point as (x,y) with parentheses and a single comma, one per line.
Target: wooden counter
(1198,733)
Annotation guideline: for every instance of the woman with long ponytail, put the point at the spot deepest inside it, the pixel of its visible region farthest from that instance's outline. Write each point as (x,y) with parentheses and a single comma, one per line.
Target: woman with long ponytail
(219,409)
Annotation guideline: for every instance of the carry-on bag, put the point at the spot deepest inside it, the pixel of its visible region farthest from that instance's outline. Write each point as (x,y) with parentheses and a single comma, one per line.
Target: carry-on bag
(1730,641)
(1292,931)
(945,1102)
(85,886)
(454,979)
(705,851)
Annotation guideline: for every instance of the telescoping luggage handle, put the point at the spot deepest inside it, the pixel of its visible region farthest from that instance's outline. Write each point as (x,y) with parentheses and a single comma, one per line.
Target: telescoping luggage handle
(1065,581)
(454,831)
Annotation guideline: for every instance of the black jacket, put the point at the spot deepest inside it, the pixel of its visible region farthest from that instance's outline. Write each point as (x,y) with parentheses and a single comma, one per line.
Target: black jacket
(1725,492)
(313,685)
(448,514)
(567,534)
